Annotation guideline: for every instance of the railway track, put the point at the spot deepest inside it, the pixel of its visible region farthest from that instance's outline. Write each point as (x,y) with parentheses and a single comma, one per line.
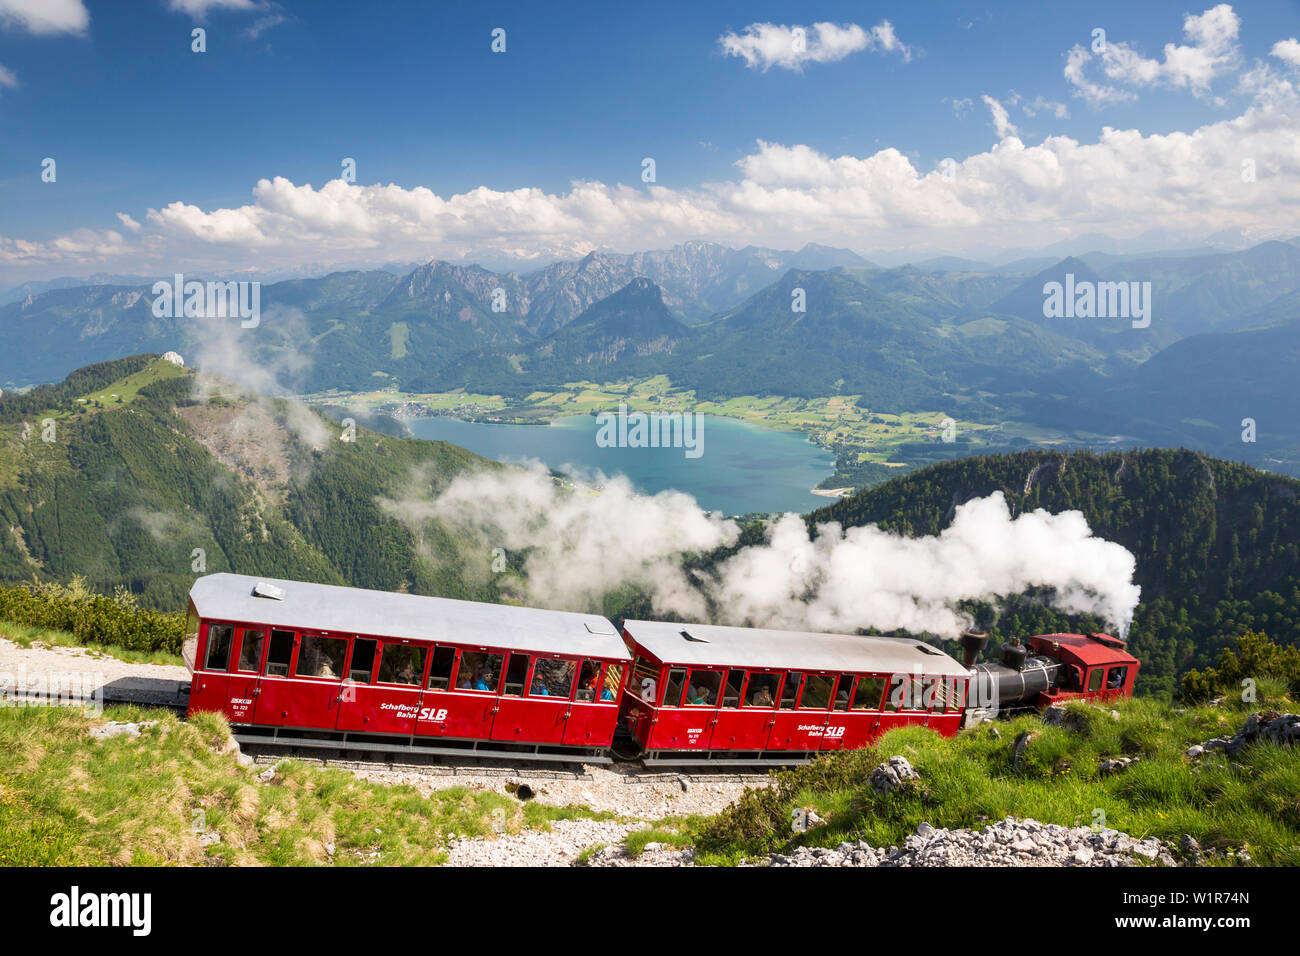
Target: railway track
(267,752)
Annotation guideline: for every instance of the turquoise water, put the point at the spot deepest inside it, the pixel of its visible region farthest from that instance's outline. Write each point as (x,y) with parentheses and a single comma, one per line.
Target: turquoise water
(742,467)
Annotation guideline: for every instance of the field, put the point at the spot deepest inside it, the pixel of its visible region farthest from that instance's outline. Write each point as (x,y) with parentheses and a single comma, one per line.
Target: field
(176,795)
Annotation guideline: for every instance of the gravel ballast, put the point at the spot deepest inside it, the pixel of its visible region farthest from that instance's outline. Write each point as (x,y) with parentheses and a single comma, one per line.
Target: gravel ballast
(1009,842)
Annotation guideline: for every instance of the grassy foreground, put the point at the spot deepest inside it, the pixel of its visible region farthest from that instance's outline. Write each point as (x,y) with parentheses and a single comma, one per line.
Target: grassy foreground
(1251,801)
(67,799)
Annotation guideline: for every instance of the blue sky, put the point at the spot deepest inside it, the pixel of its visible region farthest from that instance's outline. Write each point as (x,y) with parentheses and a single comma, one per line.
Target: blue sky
(412,91)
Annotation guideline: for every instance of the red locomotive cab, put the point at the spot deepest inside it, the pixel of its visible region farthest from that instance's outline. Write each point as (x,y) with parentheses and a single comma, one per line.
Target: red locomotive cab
(1094,666)
(729,695)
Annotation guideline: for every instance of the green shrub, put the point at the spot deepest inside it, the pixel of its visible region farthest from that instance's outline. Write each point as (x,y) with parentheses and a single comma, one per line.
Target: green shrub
(1256,658)
(92,618)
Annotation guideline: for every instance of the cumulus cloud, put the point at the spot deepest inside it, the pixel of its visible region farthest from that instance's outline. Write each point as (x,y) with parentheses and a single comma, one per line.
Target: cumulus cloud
(1212,51)
(765,45)
(1124,183)
(44,17)
(1288,50)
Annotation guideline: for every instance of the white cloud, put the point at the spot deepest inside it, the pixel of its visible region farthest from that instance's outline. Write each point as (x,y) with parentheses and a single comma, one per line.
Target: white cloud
(8,77)
(1211,52)
(45,16)
(1125,183)
(1043,105)
(764,45)
(1266,85)
(262,24)
(1288,50)
(1001,122)
(960,107)
(199,8)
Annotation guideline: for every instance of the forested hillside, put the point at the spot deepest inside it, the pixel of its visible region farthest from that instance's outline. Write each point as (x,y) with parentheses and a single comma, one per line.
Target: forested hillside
(1217,543)
(141,474)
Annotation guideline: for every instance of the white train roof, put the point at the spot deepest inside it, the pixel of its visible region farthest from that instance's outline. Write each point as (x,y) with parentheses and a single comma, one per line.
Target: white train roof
(713,645)
(325,607)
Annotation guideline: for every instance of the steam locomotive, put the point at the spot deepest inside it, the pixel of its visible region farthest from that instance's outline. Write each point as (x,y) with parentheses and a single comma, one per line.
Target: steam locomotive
(312,665)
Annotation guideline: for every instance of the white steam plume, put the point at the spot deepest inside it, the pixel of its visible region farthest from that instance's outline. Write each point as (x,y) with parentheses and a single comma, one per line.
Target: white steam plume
(864,577)
(583,543)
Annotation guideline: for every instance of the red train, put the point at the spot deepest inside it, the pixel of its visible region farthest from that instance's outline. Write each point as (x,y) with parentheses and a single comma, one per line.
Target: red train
(345,668)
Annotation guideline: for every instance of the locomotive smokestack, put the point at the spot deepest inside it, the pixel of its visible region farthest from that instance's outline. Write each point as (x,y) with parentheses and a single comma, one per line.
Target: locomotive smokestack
(1014,654)
(972,643)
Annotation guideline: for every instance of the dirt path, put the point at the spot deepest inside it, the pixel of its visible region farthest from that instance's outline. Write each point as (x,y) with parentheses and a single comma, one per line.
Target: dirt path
(38,670)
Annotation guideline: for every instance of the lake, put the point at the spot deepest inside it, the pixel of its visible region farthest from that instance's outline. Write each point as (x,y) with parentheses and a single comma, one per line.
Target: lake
(742,467)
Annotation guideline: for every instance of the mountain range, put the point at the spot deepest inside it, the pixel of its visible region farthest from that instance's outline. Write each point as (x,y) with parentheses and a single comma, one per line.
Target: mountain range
(728,322)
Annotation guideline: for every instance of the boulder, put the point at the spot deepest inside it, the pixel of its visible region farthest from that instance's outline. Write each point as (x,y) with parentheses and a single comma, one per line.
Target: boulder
(891,775)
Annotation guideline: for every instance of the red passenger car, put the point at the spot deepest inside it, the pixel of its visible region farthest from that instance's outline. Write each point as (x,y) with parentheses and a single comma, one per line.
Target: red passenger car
(708,694)
(348,668)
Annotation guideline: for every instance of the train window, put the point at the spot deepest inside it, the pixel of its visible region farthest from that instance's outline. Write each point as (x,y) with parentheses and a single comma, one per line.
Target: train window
(588,678)
(479,671)
(905,693)
(613,677)
(322,657)
(1094,678)
(868,694)
(915,699)
(702,690)
(932,694)
(516,675)
(843,691)
(444,658)
(363,660)
(1116,678)
(645,679)
(731,696)
(761,691)
(220,637)
(676,684)
(552,678)
(817,691)
(401,664)
(250,651)
(281,652)
(954,690)
(791,690)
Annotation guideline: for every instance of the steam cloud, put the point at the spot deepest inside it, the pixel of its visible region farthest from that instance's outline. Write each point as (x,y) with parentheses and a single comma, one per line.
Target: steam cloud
(583,543)
(838,579)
